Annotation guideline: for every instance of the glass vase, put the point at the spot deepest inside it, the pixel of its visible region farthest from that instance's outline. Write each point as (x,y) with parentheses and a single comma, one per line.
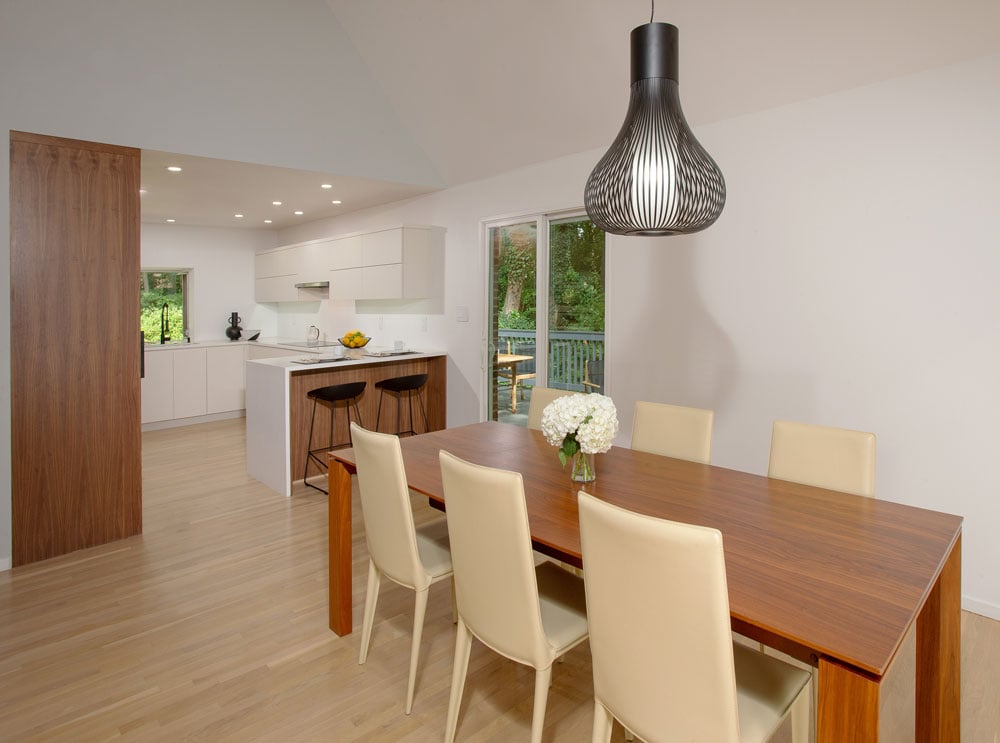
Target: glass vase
(582,469)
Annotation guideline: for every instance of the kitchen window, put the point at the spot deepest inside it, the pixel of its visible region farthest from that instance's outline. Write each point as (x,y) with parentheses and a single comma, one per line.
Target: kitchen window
(164,313)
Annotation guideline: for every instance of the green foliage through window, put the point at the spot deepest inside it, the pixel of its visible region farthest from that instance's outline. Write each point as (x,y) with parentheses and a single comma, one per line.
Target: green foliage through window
(159,288)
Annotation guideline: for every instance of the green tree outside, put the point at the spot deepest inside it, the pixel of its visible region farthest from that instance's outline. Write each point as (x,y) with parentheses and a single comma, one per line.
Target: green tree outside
(157,289)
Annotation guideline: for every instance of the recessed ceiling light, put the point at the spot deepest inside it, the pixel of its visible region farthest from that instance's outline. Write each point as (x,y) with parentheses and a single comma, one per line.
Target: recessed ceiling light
(299,212)
(336,201)
(174,168)
(238,216)
(327,185)
(267,221)
(276,203)
(171,221)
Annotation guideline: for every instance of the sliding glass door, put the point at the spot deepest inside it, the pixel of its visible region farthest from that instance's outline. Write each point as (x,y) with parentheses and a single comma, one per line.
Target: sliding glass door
(546,310)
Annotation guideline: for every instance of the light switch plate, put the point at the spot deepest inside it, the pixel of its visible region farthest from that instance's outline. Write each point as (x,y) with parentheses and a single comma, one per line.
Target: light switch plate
(462,313)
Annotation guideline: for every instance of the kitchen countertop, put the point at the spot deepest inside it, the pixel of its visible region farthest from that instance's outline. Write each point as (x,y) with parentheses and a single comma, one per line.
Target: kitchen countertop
(288,362)
(285,343)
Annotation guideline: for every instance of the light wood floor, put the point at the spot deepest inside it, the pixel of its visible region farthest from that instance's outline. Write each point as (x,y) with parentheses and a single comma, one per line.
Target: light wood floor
(212,626)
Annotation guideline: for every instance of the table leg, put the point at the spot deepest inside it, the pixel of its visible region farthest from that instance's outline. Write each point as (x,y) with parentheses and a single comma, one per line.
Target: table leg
(848,705)
(513,392)
(339,514)
(939,655)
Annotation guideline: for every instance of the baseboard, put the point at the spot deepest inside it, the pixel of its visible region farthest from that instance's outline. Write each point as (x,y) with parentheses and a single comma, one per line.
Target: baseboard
(981,607)
(4,564)
(177,422)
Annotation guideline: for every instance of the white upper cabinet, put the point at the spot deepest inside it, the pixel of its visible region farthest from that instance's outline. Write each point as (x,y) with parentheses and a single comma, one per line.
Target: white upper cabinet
(347,253)
(276,273)
(397,263)
(314,260)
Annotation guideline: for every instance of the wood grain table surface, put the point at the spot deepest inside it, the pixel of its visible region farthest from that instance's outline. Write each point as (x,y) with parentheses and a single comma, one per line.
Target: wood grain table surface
(833,579)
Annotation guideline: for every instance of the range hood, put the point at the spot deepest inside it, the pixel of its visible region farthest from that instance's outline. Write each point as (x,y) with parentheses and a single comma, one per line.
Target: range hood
(312,285)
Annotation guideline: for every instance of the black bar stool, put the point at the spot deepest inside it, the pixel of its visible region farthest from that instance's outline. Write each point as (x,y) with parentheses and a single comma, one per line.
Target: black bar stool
(348,393)
(398,386)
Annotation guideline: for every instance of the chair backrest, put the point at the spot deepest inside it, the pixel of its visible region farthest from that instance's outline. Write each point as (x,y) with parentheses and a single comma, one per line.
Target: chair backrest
(673,431)
(833,458)
(385,506)
(495,586)
(540,397)
(663,658)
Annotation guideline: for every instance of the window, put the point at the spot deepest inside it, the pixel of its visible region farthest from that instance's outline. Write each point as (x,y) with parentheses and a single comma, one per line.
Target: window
(546,313)
(164,288)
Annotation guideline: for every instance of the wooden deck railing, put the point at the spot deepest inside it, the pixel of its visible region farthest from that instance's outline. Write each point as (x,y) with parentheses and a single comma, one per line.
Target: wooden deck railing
(570,353)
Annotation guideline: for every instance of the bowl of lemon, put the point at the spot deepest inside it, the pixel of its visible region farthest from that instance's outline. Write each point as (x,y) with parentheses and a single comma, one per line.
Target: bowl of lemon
(353,341)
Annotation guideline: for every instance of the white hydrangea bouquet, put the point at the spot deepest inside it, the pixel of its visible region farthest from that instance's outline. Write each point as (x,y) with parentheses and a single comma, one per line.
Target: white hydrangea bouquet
(580,424)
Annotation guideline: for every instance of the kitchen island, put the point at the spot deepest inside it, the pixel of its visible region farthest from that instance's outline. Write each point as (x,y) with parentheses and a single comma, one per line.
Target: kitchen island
(279,411)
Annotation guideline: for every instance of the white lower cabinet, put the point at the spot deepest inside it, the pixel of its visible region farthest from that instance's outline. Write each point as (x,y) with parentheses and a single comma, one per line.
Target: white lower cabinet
(192,382)
(226,382)
(189,382)
(158,387)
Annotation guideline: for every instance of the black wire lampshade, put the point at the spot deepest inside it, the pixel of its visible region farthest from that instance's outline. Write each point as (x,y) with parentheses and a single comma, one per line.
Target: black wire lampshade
(656,179)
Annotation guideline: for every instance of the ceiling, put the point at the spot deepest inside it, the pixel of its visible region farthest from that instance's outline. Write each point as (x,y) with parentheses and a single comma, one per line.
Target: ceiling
(210,193)
(485,87)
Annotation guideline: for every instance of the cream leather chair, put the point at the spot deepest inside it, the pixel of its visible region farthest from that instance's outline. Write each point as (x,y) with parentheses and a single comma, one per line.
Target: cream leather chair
(412,557)
(665,665)
(540,397)
(832,458)
(529,614)
(673,431)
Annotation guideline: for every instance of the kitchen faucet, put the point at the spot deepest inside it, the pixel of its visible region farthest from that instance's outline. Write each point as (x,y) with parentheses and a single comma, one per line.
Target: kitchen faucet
(164,324)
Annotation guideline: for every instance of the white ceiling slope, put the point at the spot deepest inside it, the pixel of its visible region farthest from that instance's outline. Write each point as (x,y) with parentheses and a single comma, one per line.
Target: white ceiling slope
(397,97)
(486,86)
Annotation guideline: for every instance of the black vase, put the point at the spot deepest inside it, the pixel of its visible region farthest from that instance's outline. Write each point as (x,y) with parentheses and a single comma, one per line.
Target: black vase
(233,332)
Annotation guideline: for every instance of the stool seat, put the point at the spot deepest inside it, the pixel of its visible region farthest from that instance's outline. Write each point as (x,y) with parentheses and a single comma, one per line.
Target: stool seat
(402,384)
(408,385)
(348,392)
(337,392)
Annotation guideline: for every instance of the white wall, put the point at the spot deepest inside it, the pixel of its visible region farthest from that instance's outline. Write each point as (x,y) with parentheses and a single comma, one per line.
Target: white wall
(222,276)
(851,281)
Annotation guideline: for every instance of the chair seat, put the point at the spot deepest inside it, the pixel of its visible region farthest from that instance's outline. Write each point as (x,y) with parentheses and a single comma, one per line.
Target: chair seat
(563,606)
(766,688)
(433,548)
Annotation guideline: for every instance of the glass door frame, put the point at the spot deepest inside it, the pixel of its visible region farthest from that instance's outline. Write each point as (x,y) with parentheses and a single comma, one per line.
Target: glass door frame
(542,221)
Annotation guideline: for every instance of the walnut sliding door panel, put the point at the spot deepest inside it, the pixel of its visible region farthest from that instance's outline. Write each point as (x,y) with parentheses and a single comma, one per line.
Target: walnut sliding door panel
(76,467)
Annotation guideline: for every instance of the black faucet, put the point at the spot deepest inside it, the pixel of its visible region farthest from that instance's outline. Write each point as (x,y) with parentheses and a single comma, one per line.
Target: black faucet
(164,324)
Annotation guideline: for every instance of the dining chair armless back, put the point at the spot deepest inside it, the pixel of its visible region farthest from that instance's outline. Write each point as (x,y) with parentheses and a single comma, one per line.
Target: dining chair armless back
(664,662)
(412,557)
(673,431)
(832,458)
(540,397)
(526,613)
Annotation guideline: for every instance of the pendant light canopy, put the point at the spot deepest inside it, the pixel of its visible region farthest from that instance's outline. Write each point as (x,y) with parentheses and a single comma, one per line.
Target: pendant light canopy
(656,179)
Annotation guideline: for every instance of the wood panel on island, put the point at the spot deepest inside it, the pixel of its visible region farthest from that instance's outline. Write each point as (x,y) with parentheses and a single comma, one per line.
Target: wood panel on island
(301,406)
(279,409)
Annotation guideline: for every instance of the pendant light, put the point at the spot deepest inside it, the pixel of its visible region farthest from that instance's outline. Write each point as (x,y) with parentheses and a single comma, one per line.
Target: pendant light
(656,179)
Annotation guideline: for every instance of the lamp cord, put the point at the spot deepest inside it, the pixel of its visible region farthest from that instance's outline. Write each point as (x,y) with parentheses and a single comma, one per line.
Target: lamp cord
(652,7)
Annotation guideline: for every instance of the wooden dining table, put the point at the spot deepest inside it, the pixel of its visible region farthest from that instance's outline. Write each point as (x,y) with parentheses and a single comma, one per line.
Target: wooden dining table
(832,579)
